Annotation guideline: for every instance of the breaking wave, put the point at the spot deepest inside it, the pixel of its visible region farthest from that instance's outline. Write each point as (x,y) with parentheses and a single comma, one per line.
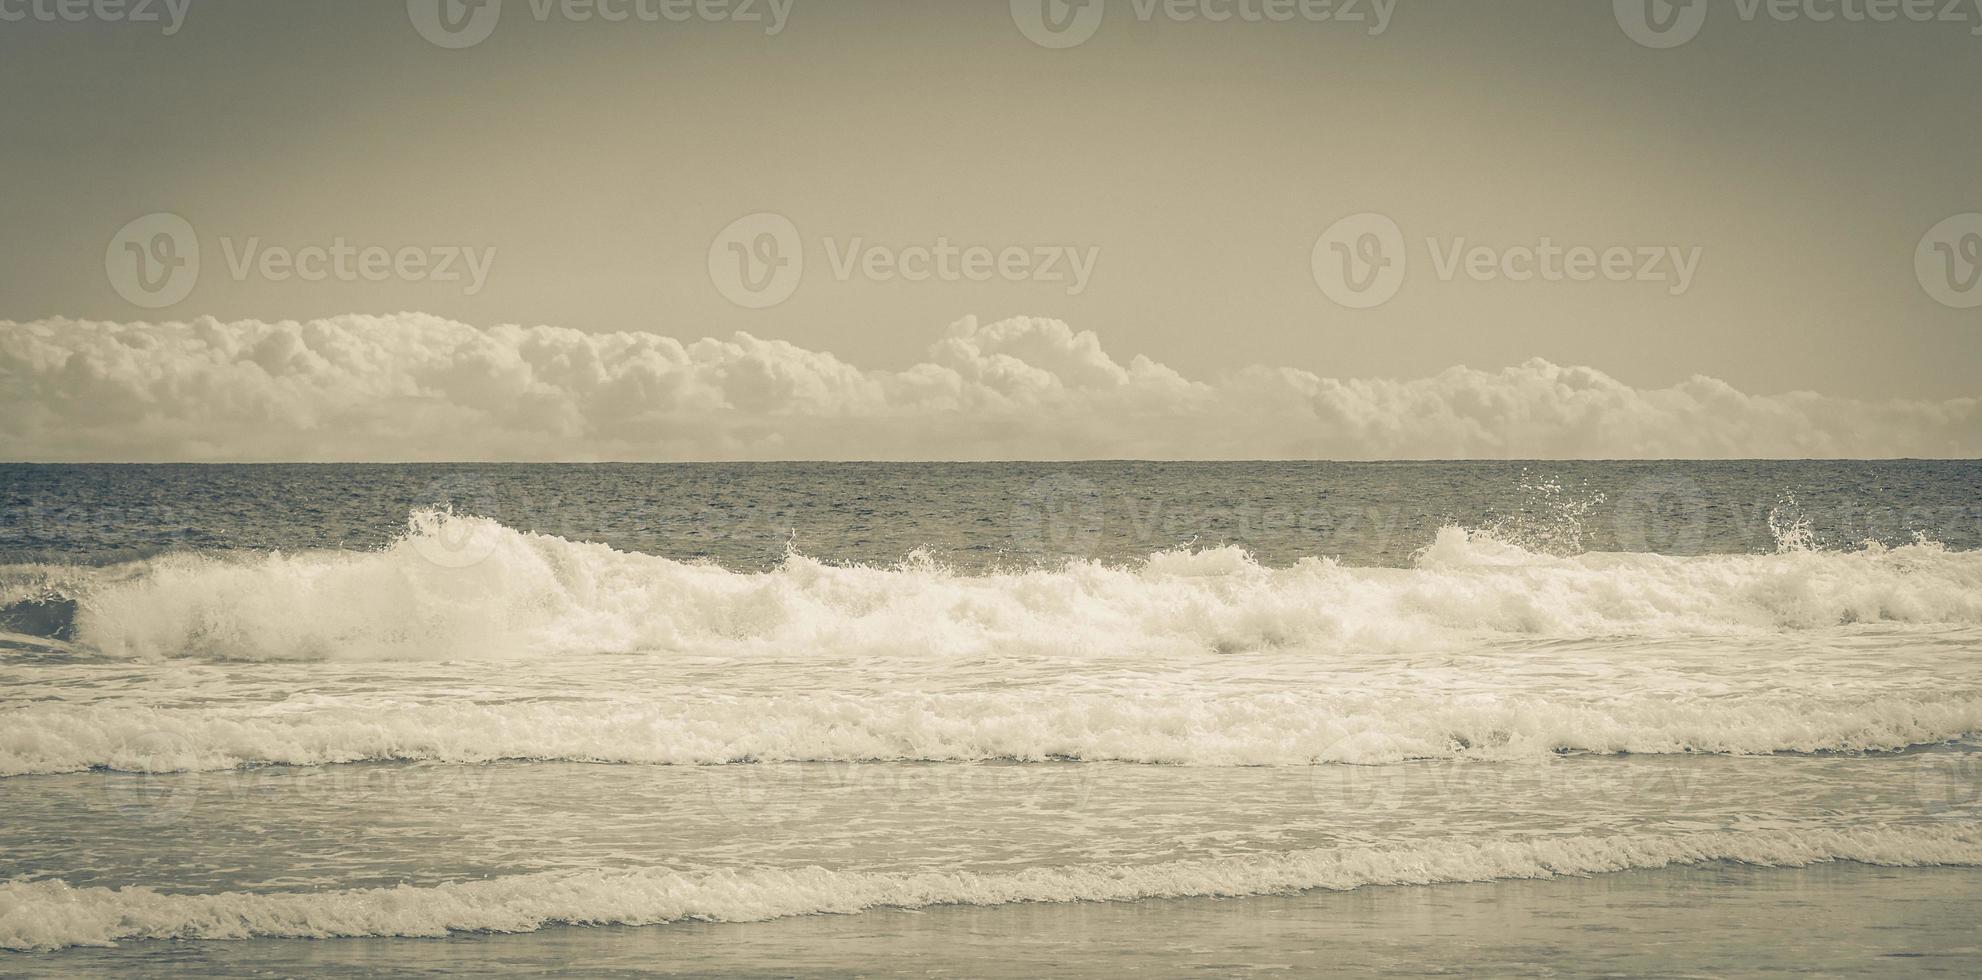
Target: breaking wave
(1223,730)
(459,587)
(51,914)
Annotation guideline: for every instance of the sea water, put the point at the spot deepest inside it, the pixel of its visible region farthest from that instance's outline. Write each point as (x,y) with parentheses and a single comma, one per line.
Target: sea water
(364,704)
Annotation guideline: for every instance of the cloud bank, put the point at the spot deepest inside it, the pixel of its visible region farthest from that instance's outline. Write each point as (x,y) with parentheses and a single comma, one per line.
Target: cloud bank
(418,387)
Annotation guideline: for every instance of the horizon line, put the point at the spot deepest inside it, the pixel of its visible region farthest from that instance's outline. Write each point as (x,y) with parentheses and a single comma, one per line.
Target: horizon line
(994,462)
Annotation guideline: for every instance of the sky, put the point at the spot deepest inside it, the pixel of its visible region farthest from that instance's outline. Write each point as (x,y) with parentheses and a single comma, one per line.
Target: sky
(1784,209)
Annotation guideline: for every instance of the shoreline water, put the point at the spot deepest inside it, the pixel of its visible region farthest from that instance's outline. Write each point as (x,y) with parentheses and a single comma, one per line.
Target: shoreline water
(1828,919)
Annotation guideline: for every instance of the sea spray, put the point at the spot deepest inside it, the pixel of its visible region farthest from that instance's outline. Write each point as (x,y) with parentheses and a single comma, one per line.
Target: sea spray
(532,596)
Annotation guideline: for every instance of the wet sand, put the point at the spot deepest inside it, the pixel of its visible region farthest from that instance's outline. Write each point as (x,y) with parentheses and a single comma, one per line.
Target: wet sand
(1712,920)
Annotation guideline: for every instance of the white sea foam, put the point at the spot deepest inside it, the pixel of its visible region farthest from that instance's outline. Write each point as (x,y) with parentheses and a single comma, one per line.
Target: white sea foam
(1083,661)
(1219,730)
(469,588)
(51,914)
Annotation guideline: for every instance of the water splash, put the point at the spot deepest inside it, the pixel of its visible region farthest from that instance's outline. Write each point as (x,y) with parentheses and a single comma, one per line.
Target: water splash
(1549,519)
(1791,528)
(485,591)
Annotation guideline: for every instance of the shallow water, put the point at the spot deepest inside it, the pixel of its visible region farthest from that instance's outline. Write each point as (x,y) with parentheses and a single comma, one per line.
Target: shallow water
(1717,920)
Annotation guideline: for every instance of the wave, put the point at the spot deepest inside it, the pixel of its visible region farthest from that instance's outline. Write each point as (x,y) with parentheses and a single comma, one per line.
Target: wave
(1226,730)
(460,587)
(51,914)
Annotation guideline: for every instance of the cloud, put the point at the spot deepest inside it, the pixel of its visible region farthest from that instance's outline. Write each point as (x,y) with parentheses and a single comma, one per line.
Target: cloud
(418,387)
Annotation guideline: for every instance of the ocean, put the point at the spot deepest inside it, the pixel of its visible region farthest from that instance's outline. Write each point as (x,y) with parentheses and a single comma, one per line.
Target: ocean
(992,719)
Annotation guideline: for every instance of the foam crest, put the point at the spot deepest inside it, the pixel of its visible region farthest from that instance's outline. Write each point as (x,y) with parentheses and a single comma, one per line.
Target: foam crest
(51,914)
(1256,729)
(468,588)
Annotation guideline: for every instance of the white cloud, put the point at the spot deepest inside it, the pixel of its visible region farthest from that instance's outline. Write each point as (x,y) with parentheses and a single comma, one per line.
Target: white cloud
(417,387)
